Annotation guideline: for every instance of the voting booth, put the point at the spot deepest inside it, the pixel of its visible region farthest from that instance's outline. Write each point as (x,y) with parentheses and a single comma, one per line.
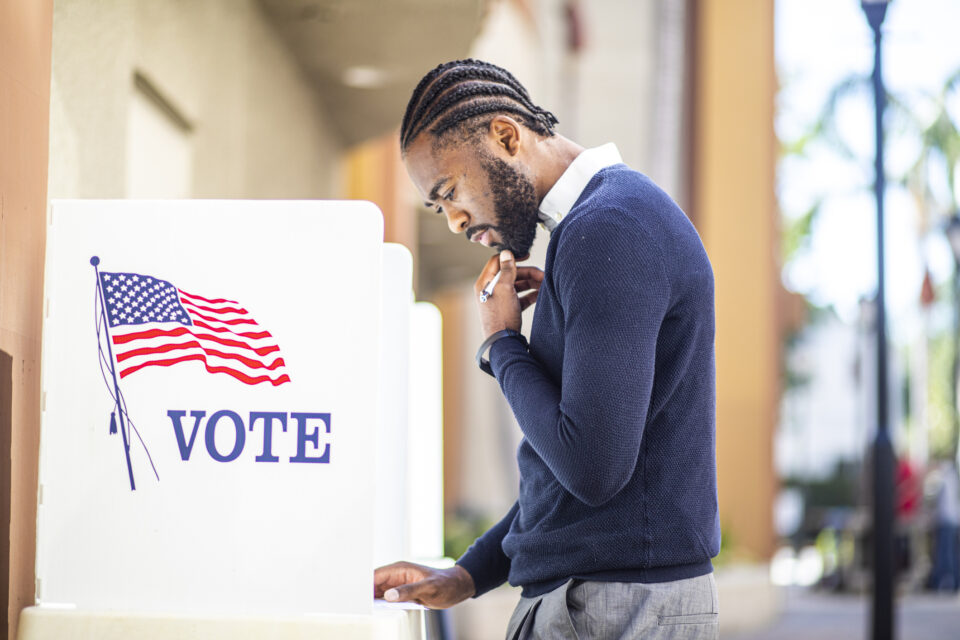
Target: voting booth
(226,434)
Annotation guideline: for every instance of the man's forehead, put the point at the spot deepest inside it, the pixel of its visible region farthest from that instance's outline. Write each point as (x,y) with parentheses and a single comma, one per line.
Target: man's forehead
(430,168)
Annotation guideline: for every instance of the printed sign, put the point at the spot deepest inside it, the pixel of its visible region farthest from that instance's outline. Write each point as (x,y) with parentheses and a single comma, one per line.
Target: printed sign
(210,381)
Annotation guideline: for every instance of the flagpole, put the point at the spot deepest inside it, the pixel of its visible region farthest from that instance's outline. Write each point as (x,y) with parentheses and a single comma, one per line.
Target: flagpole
(113,370)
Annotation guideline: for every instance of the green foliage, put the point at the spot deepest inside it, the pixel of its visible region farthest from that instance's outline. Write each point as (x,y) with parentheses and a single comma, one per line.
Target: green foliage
(940,398)
(460,529)
(939,151)
(796,232)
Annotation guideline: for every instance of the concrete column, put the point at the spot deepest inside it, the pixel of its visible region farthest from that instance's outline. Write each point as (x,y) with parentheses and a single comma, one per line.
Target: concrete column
(734,158)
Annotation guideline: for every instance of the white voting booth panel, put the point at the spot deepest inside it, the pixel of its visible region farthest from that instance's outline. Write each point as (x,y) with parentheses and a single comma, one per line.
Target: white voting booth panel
(409,475)
(390,493)
(425,435)
(386,623)
(262,500)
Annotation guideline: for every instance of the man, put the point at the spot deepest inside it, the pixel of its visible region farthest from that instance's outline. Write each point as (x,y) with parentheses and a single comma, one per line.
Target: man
(616,520)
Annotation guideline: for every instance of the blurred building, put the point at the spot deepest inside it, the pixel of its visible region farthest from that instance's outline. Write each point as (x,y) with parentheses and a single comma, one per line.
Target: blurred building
(302,99)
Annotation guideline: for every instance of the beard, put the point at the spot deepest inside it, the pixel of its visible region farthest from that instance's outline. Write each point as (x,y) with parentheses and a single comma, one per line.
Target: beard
(515,205)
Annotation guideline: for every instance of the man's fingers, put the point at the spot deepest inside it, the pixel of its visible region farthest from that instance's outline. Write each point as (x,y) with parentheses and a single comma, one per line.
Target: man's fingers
(505,261)
(530,273)
(489,270)
(393,575)
(524,284)
(528,299)
(413,592)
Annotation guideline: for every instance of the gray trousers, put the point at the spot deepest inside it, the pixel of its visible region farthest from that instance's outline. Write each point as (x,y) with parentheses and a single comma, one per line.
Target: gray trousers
(581,610)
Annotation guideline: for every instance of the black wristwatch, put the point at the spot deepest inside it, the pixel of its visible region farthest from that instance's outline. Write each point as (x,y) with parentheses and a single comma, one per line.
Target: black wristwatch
(482,362)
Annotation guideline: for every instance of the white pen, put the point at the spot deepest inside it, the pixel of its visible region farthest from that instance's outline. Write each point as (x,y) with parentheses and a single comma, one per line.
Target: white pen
(488,290)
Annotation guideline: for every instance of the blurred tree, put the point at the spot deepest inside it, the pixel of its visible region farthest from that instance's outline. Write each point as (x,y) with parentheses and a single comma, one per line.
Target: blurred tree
(931,179)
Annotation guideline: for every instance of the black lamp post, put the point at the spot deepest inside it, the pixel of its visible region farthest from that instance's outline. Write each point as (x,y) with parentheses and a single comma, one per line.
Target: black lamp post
(882,618)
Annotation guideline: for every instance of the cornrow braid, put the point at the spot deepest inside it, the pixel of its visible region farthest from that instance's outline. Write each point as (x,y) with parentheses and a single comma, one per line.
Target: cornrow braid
(459,94)
(456,92)
(466,74)
(424,81)
(460,114)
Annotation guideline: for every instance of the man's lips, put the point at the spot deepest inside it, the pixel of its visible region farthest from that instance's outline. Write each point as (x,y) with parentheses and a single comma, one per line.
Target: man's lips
(479,235)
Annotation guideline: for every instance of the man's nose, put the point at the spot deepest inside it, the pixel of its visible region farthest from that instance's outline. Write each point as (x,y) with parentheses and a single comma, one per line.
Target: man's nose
(457,219)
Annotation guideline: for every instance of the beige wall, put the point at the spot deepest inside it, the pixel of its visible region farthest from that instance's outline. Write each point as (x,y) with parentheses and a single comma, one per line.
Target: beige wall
(735,210)
(257,128)
(24,107)
(603,94)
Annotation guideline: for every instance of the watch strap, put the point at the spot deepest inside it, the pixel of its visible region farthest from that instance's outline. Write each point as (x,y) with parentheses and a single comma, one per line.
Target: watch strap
(482,362)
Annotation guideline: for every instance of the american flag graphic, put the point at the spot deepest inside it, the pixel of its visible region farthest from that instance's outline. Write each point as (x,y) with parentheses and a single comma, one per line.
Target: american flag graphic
(155,324)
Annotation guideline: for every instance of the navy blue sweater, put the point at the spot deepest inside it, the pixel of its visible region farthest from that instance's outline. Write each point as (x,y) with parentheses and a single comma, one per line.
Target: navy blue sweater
(615,398)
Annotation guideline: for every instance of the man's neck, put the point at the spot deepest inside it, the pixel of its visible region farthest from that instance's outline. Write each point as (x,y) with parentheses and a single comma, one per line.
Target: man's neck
(554,156)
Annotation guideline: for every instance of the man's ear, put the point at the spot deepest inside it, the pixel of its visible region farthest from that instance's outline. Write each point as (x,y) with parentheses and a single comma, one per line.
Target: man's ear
(506,133)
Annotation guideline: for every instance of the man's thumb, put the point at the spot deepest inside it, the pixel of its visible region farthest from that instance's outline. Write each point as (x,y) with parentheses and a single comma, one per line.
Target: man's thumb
(404,593)
(508,267)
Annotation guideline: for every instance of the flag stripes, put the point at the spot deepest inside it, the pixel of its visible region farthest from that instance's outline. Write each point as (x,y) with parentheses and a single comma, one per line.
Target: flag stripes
(185,327)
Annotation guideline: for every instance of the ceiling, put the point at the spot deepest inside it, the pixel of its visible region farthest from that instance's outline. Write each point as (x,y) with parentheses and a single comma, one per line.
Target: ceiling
(366,56)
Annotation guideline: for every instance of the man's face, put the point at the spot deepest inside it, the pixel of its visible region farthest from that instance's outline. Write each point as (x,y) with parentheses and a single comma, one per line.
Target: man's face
(482,195)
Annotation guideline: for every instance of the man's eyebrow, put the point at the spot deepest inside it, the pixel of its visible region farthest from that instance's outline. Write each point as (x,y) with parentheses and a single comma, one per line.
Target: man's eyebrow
(435,191)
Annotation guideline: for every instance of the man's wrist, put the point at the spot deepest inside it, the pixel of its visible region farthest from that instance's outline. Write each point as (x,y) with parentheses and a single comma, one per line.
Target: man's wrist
(482,362)
(467,588)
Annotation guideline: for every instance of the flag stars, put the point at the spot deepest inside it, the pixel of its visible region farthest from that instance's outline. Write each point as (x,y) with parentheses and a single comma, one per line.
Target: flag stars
(132,298)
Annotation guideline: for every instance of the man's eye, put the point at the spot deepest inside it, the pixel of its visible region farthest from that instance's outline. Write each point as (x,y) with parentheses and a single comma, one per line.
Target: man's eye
(449,195)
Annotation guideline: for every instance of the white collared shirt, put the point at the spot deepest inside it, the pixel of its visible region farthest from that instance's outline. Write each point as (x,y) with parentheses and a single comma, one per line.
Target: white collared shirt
(567,189)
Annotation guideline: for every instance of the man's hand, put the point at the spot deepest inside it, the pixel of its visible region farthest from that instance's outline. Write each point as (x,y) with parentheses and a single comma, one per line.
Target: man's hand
(502,309)
(434,588)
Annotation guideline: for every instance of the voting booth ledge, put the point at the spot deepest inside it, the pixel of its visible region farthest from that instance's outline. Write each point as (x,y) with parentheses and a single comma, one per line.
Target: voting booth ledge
(388,622)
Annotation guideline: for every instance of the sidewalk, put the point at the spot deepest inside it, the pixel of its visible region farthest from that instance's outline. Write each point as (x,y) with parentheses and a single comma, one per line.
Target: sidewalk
(808,614)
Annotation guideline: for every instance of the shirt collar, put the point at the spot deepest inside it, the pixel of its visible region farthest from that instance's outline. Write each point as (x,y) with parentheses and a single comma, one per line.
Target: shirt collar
(566,191)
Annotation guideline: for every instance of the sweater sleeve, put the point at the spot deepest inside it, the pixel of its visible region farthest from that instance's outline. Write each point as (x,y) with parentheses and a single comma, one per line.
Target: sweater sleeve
(610,279)
(485,560)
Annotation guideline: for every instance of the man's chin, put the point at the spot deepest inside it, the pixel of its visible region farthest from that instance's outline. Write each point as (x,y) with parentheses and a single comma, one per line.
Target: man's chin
(518,255)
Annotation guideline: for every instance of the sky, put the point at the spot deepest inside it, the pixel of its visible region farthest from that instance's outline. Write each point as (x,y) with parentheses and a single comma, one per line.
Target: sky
(819,43)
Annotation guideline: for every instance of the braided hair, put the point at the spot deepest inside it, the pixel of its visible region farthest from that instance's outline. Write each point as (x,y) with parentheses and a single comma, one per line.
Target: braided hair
(456,93)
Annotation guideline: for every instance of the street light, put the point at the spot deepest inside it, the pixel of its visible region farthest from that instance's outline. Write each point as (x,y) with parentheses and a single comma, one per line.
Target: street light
(882,620)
